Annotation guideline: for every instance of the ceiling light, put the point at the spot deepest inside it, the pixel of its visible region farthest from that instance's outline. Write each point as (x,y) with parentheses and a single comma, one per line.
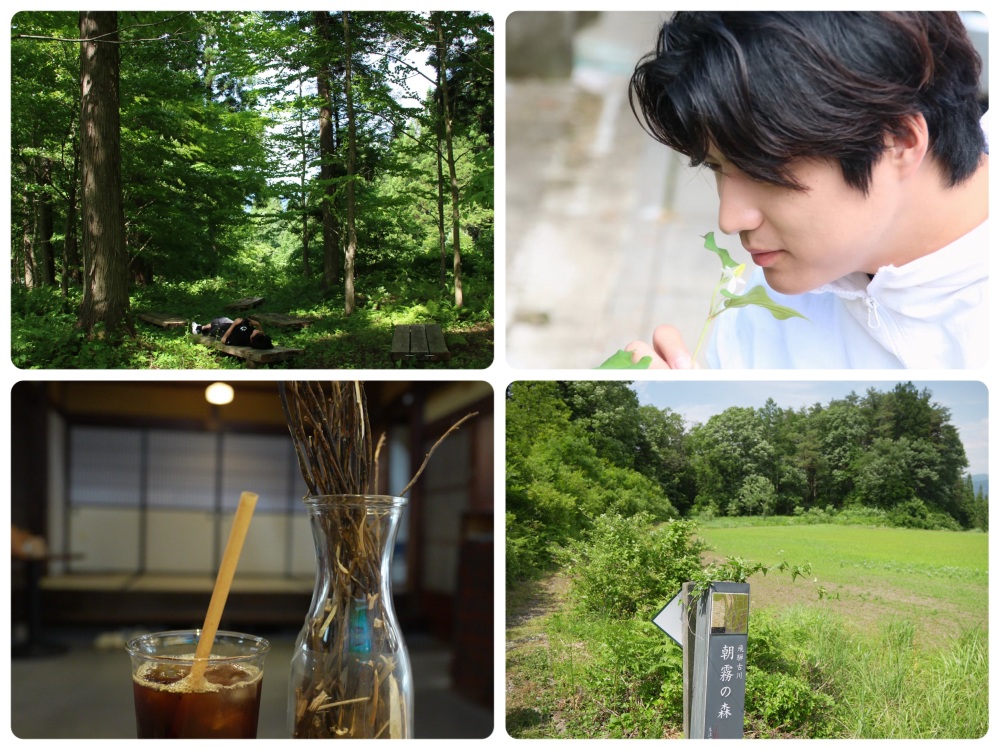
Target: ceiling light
(219,394)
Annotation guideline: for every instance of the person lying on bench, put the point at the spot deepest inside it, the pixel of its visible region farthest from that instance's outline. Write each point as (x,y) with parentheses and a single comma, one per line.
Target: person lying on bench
(239,332)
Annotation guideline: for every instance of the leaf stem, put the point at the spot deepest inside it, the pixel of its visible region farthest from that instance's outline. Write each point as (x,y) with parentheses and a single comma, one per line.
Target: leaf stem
(712,313)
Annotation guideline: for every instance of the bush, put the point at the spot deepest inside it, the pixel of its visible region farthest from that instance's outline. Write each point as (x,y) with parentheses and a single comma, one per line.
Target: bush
(626,492)
(856,515)
(526,554)
(784,690)
(784,703)
(914,514)
(43,328)
(624,565)
(639,675)
(618,678)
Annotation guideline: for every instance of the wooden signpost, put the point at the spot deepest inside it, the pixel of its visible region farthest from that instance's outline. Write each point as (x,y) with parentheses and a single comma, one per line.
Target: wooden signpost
(712,631)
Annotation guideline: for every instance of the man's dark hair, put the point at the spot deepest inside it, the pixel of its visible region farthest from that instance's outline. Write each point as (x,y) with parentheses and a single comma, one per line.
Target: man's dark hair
(769,87)
(260,340)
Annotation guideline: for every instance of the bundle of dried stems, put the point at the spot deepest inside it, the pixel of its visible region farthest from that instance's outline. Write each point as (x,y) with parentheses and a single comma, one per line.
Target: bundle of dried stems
(331,434)
(351,689)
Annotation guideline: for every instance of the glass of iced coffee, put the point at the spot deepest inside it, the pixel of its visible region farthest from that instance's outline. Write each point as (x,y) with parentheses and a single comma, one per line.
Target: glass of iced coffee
(176,699)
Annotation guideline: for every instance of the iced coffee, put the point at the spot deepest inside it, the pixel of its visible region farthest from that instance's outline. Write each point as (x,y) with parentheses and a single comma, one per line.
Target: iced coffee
(220,700)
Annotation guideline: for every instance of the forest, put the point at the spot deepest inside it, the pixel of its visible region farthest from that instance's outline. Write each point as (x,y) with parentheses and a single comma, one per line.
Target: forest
(579,451)
(336,165)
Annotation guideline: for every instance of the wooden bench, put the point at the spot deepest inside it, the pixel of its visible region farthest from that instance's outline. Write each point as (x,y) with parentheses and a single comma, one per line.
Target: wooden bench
(268,320)
(422,343)
(252,356)
(279,320)
(246,303)
(163,320)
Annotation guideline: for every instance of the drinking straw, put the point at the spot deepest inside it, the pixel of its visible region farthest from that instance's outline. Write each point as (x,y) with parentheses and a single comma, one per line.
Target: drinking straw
(227,569)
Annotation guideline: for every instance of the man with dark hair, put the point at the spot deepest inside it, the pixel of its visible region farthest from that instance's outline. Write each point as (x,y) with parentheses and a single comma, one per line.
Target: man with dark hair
(850,159)
(239,332)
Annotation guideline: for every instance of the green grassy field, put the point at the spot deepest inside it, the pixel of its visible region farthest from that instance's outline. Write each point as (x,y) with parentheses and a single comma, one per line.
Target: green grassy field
(886,638)
(936,579)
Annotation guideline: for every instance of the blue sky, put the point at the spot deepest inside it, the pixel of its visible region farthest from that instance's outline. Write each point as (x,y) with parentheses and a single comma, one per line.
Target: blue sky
(699,400)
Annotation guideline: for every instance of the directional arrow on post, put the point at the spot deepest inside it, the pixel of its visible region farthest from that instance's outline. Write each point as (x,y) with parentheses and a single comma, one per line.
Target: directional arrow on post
(670,619)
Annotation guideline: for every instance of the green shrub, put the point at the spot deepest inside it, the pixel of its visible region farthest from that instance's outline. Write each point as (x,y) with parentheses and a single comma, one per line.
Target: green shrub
(632,681)
(785,687)
(817,515)
(526,553)
(857,515)
(771,646)
(780,703)
(914,514)
(625,566)
(37,343)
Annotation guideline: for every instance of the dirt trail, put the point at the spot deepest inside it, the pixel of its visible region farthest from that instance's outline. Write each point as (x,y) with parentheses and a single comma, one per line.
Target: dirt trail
(535,601)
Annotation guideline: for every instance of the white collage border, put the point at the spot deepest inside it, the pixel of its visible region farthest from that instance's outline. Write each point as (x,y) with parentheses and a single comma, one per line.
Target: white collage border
(499,374)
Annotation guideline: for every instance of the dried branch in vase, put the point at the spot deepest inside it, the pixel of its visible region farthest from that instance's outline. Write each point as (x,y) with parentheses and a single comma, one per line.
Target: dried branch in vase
(351,675)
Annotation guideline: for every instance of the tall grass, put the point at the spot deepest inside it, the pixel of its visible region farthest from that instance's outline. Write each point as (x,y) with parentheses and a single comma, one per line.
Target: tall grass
(887,687)
(897,692)
(813,675)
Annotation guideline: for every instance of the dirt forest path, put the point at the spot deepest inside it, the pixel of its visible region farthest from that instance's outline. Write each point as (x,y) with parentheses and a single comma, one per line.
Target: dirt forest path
(530,702)
(533,602)
(545,689)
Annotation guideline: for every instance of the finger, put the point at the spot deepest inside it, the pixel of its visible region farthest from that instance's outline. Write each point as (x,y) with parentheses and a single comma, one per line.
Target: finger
(669,344)
(641,349)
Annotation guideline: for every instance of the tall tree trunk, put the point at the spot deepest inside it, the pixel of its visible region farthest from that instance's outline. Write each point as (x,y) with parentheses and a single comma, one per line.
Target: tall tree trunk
(105,296)
(303,183)
(71,249)
(44,256)
(327,170)
(352,239)
(305,234)
(439,157)
(27,232)
(455,215)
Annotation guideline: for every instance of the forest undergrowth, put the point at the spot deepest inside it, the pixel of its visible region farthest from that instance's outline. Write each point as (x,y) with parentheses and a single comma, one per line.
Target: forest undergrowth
(45,333)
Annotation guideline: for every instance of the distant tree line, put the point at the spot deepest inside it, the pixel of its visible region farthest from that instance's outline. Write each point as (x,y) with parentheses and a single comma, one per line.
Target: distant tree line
(576,450)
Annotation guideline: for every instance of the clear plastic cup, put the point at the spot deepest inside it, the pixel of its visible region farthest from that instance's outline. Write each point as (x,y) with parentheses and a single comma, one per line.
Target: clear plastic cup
(169,704)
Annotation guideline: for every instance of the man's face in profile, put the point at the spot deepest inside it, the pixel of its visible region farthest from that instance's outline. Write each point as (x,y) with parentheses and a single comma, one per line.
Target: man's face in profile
(804,239)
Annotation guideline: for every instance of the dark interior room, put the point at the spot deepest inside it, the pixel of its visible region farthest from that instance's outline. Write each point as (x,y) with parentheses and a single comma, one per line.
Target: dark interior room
(122,497)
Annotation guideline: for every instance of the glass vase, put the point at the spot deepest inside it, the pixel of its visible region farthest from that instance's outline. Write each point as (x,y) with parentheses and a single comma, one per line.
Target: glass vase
(351,673)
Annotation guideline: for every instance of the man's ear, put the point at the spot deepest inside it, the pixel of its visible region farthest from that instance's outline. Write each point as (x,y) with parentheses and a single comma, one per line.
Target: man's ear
(907,148)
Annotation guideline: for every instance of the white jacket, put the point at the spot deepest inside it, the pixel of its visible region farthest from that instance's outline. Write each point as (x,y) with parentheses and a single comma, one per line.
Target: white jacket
(929,313)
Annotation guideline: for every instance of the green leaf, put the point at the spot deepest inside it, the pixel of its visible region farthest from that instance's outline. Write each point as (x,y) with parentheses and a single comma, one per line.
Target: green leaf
(758,296)
(727,261)
(622,360)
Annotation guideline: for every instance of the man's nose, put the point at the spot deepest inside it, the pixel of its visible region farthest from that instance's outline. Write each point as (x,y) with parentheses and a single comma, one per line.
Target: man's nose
(739,209)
